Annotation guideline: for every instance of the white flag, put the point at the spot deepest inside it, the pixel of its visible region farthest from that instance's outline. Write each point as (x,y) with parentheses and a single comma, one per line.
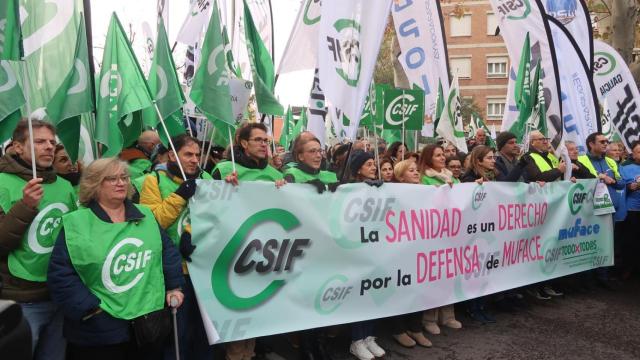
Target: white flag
(349,39)
(424,58)
(614,82)
(196,19)
(317,111)
(579,103)
(301,52)
(450,126)
(574,16)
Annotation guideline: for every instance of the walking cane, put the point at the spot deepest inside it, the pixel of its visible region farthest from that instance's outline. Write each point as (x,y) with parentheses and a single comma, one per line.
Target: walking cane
(173,302)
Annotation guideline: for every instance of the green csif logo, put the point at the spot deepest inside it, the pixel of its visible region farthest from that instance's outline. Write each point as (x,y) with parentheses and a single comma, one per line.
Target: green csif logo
(279,255)
(577,197)
(346,50)
(603,63)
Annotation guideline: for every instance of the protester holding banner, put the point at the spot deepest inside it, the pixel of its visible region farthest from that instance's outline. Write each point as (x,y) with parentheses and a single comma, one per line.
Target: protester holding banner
(139,156)
(99,308)
(578,171)
(539,163)
(386,169)
(32,205)
(307,153)
(507,161)
(406,172)
(167,195)
(432,167)
(251,157)
(363,343)
(396,151)
(631,176)
(65,168)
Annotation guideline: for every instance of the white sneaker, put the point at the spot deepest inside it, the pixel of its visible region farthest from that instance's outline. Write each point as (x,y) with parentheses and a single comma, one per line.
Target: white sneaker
(359,349)
(374,348)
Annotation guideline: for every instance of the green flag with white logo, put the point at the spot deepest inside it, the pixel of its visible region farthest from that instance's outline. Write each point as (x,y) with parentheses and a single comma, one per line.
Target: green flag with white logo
(122,91)
(439,105)
(523,92)
(210,87)
(9,30)
(262,68)
(476,124)
(73,98)
(538,118)
(403,109)
(165,88)
(11,99)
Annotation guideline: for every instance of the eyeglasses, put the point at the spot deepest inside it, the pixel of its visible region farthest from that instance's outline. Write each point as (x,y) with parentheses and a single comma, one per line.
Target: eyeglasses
(113,179)
(260,140)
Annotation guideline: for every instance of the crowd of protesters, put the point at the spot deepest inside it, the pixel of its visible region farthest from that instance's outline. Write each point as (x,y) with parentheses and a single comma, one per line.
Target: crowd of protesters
(76,310)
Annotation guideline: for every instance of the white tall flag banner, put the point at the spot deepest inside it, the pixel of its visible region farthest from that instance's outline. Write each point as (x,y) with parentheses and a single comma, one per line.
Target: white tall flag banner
(349,39)
(574,16)
(450,126)
(418,26)
(239,42)
(579,103)
(196,19)
(261,14)
(614,82)
(516,19)
(317,111)
(301,52)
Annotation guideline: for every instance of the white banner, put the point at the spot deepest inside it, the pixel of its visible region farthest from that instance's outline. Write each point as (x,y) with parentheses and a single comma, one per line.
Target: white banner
(349,39)
(450,126)
(301,52)
(423,49)
(196,20)
(579,104)
(614,82)
(516,19)
(317,111)
(574,16)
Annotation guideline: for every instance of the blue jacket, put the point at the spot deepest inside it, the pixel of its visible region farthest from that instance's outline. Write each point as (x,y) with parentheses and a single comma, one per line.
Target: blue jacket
(76,301)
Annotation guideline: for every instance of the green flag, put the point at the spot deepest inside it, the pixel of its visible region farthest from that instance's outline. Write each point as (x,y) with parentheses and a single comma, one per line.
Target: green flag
(210,87)
(9,30)
(73,98)
(287,127)
(538,118)
(439,105)
(301,124)
(165,88)
(11,99)
(523,92)
(122,91)
(477,123)
(262,68)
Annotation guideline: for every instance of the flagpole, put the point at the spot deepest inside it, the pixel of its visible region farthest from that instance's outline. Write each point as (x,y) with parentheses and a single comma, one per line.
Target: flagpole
(166,132)
(377,154)
(213,132)
(204,137)
(233,156)
(403,125)
(415,141)
(25,76)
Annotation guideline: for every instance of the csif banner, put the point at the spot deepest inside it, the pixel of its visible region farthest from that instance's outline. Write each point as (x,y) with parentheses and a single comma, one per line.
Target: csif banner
(403,109)
(580,110)
(297,259)
(420,33)
(516,19)
(616,87)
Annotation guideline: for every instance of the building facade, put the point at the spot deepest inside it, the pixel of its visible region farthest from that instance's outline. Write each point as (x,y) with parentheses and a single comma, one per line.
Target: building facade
(478,56)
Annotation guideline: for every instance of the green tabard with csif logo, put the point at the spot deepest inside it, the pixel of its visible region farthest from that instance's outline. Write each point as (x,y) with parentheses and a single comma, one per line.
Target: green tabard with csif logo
(31,260)
(123,266)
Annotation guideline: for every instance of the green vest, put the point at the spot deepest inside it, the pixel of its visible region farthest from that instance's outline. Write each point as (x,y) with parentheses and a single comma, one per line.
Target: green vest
(584,160)
(120,263)
(269,173)
(429,180)
(139,167)
(299,176)
(167,187)
(541,163)
(31,260)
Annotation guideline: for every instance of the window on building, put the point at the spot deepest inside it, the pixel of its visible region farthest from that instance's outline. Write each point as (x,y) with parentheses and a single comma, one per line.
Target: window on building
(492,23)
(495,108)
(497,66)
(462,66)
(460,26)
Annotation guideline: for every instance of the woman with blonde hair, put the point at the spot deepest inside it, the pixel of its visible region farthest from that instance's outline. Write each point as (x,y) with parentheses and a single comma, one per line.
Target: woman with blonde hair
(101,294)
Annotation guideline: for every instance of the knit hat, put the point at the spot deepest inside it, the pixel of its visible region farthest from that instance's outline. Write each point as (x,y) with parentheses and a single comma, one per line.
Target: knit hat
(358,158)
(503,137)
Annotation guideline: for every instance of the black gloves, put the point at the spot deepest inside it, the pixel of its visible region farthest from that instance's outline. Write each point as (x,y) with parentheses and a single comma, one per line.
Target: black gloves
(333,186)
(187,189)
(376,183)
(319,185)
(186,247)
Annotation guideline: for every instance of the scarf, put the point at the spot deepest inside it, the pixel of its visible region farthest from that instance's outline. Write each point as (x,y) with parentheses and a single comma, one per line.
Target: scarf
(445,175)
